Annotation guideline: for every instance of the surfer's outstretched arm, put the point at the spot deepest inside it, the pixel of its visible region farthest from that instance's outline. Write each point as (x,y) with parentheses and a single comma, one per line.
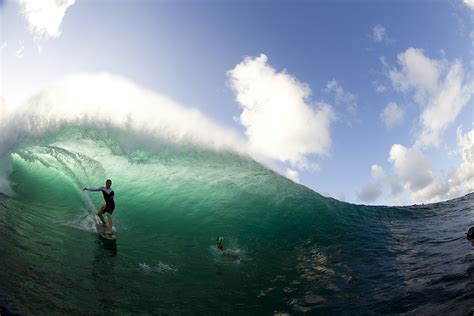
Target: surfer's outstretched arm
(93,190)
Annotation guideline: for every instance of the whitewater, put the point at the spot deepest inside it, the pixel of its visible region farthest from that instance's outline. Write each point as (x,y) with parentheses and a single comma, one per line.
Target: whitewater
(178,186)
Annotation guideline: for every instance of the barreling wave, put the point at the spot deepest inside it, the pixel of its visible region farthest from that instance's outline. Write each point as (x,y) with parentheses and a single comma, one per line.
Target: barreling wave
(104,100)
(298,251)
(180,185)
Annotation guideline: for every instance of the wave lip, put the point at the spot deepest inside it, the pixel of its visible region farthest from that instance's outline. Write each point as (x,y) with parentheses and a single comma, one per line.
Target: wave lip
(101,100)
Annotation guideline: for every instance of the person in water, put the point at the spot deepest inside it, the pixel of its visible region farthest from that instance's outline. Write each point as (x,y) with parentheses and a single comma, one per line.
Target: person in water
(219,241)
(220,246)
(109,205)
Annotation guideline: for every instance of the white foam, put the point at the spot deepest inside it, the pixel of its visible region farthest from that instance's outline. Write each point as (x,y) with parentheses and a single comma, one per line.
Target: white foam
(83,222)
(103,99)
(160,267)
(233,255)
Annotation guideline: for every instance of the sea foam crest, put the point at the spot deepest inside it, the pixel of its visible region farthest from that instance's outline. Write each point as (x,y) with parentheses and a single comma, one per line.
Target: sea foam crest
(97,100)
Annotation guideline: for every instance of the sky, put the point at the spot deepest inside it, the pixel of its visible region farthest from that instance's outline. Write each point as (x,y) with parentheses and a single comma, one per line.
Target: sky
(368,102)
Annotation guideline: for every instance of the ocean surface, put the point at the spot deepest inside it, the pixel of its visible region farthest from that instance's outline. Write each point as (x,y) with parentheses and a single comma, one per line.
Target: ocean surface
(295,250)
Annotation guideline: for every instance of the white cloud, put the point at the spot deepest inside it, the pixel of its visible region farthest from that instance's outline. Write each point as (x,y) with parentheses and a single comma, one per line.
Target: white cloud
(377,172)
(463,176)
(417,72)
(436,191)
(342,96)
(442,89)
(392,115)
(469,3)
(411,167)
(439,87)
(20,52)
(412,173)
(370,193)
(380,88)
(459,181)
(280,121)
(378,33)
(444,106)
(44,17)
(292,175)
(373,190)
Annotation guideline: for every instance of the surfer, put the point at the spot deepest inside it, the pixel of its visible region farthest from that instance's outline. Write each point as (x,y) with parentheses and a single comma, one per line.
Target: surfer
(231,256)
(109,205)
(470,235)
(219,241)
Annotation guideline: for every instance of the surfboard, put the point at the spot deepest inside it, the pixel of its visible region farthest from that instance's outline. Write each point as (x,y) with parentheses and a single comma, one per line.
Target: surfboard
(103,233)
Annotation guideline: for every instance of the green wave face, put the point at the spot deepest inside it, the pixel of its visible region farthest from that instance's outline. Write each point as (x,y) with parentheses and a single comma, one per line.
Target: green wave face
(292,249)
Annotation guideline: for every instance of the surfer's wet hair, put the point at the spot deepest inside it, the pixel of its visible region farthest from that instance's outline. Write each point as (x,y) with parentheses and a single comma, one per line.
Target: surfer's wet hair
(470,234)
(108,180)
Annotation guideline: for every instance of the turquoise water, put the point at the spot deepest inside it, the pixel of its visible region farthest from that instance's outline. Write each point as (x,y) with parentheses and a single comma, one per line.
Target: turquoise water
(298,251)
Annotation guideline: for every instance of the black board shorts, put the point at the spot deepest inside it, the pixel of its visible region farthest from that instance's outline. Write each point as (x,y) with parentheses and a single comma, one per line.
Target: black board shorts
(109,208)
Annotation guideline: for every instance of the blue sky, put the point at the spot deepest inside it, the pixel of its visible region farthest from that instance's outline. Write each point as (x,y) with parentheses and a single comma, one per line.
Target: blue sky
(356,58)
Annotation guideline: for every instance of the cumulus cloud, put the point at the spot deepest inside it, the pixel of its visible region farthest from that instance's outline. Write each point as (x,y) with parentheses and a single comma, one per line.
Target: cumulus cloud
(440,87)
(445,105)
(418,73)
(392,115)
(292,175)
(281,123)
(412,173)
(342,97)
(458,181)
(462,178)
(411,166)
(377,172)
(371,192)
(469,4)
(44,17)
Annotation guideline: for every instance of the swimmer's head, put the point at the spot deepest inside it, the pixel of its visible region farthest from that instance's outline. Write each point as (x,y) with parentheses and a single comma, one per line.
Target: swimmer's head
(220,240)
(108,183)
